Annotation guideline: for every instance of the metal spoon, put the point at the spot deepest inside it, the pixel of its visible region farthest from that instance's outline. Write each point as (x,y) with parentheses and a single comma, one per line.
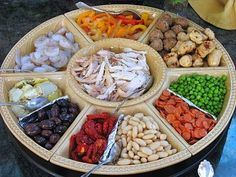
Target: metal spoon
(135,14)
(31,105)
(112,152)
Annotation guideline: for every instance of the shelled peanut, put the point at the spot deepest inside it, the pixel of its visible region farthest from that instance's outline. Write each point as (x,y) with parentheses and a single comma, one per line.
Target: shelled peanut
(142,140)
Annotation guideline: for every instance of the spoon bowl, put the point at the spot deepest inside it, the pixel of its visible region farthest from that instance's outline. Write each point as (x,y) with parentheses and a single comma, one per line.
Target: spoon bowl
(135,14)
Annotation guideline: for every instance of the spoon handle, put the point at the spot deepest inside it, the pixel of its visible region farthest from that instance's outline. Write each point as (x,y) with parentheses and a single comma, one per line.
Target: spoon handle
(10,104)
(93,169)
(82,5)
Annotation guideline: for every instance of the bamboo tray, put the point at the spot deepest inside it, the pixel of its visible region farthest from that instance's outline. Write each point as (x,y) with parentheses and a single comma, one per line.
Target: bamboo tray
(162,78)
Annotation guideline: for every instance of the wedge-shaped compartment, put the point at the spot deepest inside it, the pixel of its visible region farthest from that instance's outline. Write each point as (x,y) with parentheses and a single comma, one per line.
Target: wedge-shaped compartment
(154,13)
(12,121)
(61,157)
(156,66)
(224,116)
(226,60)
(25,45)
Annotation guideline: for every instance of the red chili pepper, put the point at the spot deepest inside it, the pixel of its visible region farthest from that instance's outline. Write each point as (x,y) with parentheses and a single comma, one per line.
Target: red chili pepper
(72,143)
(82,149)
(103,115)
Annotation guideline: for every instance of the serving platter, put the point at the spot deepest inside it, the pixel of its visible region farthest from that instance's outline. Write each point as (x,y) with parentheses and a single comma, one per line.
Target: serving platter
(87,104)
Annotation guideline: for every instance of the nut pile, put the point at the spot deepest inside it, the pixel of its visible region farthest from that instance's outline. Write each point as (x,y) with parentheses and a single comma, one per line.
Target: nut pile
(48,124)
(142,141)
(182,45)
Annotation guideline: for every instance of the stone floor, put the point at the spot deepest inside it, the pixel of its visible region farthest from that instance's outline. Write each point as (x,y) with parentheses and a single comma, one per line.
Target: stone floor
(17,17)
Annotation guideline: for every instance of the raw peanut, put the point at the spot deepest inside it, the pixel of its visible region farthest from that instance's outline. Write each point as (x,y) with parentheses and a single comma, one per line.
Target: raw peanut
(169,152)
(154,138)
(140,154)
(136,162)
(140,128)
(149,125)
(158,134)
(129,133)
(149,132)
(174,151)
(155,145)
(139,115)
(143,160)
(124,155)
(119,132)
(127,117)
(148,141)
(163,137)
(134,132)
(133,123)
(148,136)
(155,124)
(136,157)
(124,150)
(124,162)
(128,139)
(140,135)
(153,157)
(135,145)
(124,142)
(129,146)
(136,119)
(134,150)
(162,154)
(124,124)
(117,137)
(146,150)
(164,143)
(168,147)
(127,128)
(146,118)
(160,148)
(140,142)
(131,154)
(124,132)
(143,124)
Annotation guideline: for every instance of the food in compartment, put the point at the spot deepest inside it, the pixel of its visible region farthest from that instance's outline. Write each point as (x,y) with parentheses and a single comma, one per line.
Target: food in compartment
(142,140)
(113,76)
(182,45)
(191,123)
(47,125)
(205,91)
(28,89)
(89,144)
(52,52)
(104,25)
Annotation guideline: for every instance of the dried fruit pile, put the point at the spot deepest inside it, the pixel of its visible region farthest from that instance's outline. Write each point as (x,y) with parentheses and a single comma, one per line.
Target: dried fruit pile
(47,125)
(89,144)
(189,122)
(142,140)
(205,91)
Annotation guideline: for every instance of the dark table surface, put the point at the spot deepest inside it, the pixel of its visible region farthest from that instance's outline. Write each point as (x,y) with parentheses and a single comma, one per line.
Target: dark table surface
(17,17)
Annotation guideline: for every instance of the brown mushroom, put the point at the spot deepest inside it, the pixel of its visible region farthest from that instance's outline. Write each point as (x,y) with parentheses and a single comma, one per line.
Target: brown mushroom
(157,44)
(177,29)
(171,60)
(170,34)
(169,43)
(186,47)
(186,61)
(210,34)
(181,21)
(155,34)
(205,48)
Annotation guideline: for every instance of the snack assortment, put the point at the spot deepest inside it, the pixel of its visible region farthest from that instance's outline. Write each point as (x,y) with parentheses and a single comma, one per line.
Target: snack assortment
(182,45)
(26,90)
(104,25)
(111,76)
(142,140)
(90,142)
(47,125)
(191,123)
(193,104)
(52,52)
(205,91)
